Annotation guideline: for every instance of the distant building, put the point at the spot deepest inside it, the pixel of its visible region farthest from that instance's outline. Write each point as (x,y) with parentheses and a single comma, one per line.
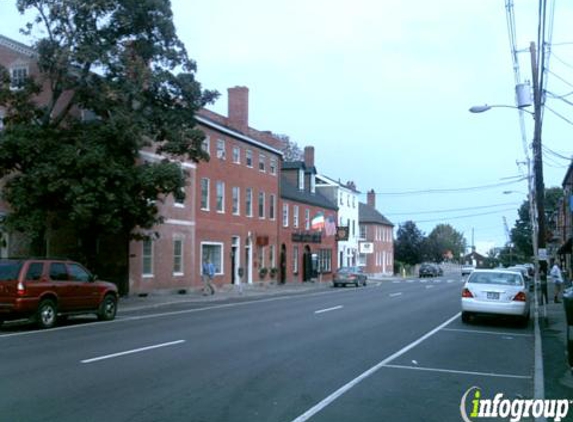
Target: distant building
(376,239)
(345,196)
(308,224)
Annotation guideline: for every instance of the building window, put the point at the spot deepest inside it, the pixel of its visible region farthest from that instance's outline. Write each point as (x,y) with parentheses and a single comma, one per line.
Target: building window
(249,158)
(220,197)
(361,261)
(301,179)
(261,205)
(363,232)
(236,200)
(213,252)
(295,216)
(295,259)
(178,256)
(221,149)
(273,166)
(262,163)
(272,206)
(312,183)
(285,215)
(205,194)
(236,155)
(206,145)
(341,198)
(147,256)
(325,260)
(307,219)
(272,262)
(249,202)
(18,76)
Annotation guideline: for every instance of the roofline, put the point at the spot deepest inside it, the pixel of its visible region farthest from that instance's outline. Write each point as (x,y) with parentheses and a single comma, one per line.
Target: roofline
(236,134)
(335,183)
(17,46)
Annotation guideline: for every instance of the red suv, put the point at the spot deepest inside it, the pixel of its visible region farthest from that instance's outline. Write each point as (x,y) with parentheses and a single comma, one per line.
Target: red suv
(45,288)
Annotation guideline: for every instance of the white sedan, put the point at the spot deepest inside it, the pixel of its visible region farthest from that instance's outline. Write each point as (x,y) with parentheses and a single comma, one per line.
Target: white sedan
(495,292)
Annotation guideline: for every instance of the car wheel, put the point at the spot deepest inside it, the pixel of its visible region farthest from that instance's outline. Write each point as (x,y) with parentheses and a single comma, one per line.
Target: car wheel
(47,314)
(466,317)
(107,308)
(357,284)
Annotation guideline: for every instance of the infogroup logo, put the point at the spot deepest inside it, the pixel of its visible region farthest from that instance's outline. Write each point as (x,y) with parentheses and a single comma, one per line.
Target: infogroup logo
(515,410)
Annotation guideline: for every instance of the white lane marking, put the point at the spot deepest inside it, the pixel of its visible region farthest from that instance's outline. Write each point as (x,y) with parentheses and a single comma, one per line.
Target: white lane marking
(334,308)
(452,371)
(450,281)
(130,352)
(410,281)
(429,287)
(396,282)
(345,388)
(459,330)
(395,294)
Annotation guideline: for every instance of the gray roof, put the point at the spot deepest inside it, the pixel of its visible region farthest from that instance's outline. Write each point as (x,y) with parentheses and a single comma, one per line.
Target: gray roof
(368,214)
(291,192)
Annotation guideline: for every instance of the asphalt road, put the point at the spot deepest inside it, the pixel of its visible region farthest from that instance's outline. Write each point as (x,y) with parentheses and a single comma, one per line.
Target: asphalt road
(393,351)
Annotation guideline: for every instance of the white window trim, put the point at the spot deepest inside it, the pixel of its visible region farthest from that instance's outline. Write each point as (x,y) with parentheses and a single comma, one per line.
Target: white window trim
(248,153)
(206,144)
(295,216)
(222,245)
(152,256)
(235,149)
(273,207)
(238,190)
(221,152)
(179,238)
(285,215)
(217,184)
(259,207)
(208,193)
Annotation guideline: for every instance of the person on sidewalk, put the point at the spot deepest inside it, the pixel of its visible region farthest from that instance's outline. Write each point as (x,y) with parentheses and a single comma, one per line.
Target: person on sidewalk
(557,278)
(208,274)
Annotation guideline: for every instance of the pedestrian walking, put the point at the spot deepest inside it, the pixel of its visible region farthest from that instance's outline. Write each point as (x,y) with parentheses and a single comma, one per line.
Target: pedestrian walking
(208,274)
(557,279)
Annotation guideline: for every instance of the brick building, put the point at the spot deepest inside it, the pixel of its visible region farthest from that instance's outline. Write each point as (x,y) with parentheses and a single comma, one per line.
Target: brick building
(376,245)
(237,195)
(308,224)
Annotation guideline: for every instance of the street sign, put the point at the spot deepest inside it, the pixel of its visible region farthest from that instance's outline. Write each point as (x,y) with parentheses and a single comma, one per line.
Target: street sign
(542,254)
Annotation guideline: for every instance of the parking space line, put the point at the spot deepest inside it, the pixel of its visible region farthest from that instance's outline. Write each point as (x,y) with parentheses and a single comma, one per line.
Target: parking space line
(334,308)
(429,287)
(130,352)
(459,330)
(395,294)
(346,387)
(452,371)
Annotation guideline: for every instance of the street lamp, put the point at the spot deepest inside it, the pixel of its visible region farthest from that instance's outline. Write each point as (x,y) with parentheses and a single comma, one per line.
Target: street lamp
(486,107)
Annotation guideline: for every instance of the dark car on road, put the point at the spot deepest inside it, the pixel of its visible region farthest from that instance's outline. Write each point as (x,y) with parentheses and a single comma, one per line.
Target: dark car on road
(42,289)
(429,270)
(349,275)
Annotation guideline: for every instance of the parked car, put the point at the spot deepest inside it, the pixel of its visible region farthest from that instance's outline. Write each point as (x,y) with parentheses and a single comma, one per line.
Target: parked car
(429,270)
(467,269)
(349,275)
(495,292)
(42,289)
(524,271)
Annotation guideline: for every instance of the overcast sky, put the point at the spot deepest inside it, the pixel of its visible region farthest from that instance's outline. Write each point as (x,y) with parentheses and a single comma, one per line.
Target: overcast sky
(382,88)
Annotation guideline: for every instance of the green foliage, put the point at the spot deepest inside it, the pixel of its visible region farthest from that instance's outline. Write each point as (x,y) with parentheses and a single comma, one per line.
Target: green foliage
(111,88)
(443,240)
(408,245)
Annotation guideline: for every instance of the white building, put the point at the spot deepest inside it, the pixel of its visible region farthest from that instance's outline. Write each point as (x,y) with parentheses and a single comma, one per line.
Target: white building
(346,198)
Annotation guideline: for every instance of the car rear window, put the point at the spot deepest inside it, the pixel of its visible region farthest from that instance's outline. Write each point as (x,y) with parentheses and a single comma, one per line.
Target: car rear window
(496,278)
(9,270)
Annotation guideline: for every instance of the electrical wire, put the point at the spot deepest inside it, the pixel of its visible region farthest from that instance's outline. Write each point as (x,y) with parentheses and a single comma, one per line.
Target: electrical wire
(452,209)
(451,190)
(559,115)
(465,216)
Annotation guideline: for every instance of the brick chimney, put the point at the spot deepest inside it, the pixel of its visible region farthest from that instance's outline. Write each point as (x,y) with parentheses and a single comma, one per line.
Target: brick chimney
(238,108)
(309,157)
(372,198)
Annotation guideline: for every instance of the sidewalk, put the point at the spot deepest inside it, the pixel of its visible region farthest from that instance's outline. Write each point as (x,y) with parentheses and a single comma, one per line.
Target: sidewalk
(557,373)
(226,293)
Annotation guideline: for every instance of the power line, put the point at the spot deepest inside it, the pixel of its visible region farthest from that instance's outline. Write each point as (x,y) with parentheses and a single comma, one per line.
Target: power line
(452,190)
(465,216)
(451,209)
(559,115)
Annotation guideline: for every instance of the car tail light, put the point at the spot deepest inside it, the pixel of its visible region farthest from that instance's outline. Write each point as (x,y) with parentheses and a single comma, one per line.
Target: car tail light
(520,297)
(466,293)
(21,288)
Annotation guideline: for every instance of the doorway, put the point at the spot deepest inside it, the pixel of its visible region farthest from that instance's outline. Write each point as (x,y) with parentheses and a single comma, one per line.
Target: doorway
(306,264)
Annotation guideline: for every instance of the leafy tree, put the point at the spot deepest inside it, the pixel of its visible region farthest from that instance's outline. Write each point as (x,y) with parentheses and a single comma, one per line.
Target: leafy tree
(408,245)
(443,239)
(522,231)
(120,63)
(291,150)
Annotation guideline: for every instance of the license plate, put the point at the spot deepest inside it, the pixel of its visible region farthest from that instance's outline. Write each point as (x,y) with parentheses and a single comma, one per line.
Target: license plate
(493,295)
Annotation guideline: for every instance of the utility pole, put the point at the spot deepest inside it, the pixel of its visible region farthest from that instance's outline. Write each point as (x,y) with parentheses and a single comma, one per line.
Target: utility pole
(538,170)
